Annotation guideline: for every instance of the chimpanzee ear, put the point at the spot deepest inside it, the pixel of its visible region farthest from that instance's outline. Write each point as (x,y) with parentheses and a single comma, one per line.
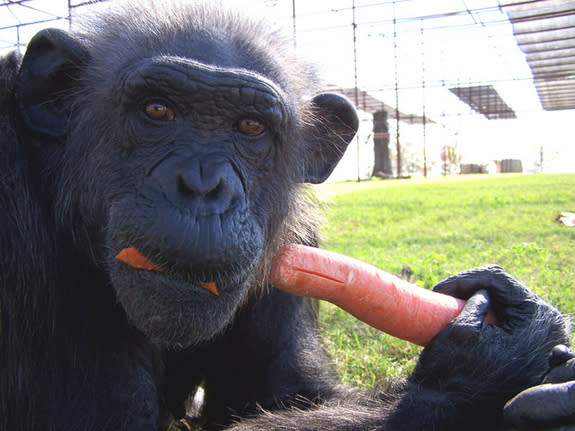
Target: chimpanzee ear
(48,72)
(335,123)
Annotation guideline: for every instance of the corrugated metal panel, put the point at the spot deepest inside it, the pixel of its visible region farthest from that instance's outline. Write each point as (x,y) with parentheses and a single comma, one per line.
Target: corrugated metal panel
(485,100)
(545,31)
(369,103)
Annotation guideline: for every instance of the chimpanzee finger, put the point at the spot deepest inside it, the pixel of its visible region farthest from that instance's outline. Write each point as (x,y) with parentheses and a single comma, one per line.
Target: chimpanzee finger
(491,277)
(562,373)
(475,310)
(560,354)
(511,300)
(547,405)
(470,320)
(464,284)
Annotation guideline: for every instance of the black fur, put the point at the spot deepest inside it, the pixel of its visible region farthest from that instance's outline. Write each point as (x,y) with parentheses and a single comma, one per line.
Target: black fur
(90,343)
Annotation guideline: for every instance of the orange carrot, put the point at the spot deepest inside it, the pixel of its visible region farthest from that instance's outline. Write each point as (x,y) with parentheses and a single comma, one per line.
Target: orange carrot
(210,286)
(135,259)
(380,299)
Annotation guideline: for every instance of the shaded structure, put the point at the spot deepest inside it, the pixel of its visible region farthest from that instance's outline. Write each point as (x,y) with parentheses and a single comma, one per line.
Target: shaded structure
(485,100)
(545,32)
(381,113)
(369,103)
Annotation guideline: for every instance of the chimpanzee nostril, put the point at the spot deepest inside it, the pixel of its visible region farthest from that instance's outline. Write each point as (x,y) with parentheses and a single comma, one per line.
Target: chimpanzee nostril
(184,187)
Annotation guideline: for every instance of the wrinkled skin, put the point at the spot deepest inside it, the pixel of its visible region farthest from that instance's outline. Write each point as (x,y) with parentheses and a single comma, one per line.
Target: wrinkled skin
(187,132)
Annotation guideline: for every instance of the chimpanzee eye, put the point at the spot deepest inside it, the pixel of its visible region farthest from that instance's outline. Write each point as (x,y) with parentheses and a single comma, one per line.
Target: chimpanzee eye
(250,126)
(159,111)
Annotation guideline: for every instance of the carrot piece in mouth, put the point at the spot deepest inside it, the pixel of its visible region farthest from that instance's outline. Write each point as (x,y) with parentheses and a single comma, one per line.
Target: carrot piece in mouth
(135,259)
(132,256)
(210,286)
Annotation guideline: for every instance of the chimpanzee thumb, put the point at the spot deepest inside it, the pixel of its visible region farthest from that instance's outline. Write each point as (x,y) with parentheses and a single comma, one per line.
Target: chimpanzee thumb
(547,405)
(563,365)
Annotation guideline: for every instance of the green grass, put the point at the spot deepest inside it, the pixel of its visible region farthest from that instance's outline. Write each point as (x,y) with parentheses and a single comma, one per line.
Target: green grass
(437,228)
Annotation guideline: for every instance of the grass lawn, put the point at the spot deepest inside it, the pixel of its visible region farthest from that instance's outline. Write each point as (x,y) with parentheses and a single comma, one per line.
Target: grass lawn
(437,228)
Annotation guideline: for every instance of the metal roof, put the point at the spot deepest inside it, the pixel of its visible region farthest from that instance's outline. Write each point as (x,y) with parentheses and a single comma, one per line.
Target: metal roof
(369,103)
(485,100)
(545,32)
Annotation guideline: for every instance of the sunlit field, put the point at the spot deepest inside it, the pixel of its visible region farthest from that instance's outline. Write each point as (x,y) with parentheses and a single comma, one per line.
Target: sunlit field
(437,228)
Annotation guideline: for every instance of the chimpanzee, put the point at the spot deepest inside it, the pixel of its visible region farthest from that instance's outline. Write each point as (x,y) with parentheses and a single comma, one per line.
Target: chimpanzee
(181,135)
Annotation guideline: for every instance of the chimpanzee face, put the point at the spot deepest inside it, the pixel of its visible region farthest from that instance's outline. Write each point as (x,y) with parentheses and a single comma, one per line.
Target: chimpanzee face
(175,170)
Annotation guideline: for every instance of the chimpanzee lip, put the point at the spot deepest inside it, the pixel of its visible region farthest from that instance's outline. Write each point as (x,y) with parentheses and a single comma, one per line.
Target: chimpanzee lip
(132,257)
(189,278)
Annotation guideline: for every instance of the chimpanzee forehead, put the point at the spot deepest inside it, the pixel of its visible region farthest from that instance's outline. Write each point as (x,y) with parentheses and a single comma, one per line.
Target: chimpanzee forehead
(193,30)
(195,83)
(190,71)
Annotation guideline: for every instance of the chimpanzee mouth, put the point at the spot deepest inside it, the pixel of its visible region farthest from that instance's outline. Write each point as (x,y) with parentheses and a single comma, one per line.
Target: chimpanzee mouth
(211,279)
(177,305)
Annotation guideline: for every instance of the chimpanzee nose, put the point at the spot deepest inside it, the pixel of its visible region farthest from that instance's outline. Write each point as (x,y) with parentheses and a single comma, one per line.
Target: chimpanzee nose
(193,179)
(206,186)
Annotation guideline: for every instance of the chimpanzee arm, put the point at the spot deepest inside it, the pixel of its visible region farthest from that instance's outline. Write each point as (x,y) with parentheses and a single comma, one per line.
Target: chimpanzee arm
(468,372)
(463,377)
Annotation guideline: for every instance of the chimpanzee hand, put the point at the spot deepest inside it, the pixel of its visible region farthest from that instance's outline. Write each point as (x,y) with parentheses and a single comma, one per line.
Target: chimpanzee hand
(550,404)
(473,364)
